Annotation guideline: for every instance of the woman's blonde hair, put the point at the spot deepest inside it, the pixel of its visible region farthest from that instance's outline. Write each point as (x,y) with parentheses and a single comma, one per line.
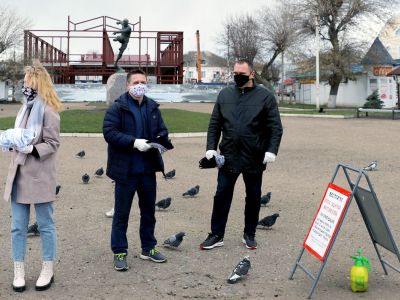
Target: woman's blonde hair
(38,78)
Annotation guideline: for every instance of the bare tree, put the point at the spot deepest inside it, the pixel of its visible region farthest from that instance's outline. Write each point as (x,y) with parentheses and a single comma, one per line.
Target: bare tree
(337,20)
(242,35)
(278,33)
(12,28)
(262,37)
(12,71)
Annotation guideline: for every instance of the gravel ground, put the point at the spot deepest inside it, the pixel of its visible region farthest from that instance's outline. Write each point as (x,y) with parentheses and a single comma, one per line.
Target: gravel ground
(309,152)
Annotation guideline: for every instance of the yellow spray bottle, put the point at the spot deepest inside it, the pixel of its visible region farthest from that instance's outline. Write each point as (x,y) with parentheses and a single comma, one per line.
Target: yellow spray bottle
(359,273)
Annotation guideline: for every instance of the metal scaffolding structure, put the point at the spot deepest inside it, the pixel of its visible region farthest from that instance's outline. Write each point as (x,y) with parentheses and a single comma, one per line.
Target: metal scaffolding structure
(165,63)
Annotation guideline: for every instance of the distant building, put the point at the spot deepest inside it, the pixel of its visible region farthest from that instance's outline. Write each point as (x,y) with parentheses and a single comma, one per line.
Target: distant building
(96,59)
(213,67)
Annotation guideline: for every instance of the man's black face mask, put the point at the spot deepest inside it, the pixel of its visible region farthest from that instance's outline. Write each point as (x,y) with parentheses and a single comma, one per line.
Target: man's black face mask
(241,79)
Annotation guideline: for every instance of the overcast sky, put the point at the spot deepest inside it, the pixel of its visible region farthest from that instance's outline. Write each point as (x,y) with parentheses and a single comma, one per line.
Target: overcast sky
(206,16)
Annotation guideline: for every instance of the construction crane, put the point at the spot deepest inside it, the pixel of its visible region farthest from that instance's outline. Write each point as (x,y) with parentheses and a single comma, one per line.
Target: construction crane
(198,63)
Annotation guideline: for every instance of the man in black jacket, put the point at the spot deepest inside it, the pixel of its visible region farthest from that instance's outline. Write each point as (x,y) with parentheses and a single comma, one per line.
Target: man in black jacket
(129,124)
(247,115)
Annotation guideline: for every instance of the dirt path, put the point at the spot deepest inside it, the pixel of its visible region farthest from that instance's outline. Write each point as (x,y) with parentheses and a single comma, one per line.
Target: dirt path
(310,150)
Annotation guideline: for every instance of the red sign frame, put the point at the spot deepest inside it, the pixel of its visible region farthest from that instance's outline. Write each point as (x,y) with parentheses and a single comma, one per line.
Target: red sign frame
(342,191)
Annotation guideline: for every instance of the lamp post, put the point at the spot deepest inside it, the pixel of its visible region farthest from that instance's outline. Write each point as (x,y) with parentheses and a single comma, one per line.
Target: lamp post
(317,61)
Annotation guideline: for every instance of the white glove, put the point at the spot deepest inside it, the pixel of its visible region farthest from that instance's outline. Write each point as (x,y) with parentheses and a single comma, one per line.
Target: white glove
(210,154)
(26,150)
(269,157)
(141,145)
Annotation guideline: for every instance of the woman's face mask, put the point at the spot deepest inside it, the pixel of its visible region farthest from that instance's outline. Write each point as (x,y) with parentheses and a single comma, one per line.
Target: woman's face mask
(29,93)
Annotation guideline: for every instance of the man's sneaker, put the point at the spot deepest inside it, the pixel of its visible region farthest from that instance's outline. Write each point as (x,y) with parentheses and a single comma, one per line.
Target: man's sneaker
(120,263)
(212,241)
(153,255)
(110,213)
(249,241)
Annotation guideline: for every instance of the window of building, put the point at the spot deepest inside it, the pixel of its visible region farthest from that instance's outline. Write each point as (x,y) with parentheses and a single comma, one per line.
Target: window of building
(398,32)
(203,74)
(190,74)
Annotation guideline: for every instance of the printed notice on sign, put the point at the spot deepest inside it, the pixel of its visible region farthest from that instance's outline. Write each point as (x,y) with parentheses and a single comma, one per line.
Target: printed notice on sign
(326,221)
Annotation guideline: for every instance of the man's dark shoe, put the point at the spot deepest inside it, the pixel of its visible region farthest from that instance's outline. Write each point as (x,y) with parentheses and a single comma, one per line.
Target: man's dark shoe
(33,230)
(153,255)
(212,241)
(249,241)
(120,263)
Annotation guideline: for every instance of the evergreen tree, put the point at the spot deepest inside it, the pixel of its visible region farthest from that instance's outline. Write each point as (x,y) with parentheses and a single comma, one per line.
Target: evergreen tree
(373,101)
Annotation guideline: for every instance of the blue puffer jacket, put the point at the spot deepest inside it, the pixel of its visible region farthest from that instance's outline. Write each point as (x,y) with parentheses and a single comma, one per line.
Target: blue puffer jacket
(119,132)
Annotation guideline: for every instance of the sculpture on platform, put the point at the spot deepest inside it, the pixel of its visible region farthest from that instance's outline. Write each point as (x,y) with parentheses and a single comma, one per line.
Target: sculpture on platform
(123,38)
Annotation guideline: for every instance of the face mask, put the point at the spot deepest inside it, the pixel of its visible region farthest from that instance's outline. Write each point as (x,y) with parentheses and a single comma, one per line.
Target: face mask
(241,79)
(29,93)
(138,90)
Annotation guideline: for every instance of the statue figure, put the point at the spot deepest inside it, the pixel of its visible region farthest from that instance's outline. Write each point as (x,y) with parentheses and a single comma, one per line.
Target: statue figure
(123,38)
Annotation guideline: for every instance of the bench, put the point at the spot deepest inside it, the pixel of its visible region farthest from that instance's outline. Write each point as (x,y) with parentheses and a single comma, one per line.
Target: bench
(393,111)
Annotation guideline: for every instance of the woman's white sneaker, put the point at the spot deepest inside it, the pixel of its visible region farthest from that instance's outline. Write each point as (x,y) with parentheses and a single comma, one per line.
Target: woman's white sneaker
(46,277)
(19,276)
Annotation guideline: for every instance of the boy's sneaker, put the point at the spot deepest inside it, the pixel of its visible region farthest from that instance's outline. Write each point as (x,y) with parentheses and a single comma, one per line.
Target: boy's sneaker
(153,255)
(212,241)
(249,241)
(120,263)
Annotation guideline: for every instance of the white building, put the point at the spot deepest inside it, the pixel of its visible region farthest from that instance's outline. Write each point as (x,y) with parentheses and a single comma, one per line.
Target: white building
(213,67)
(3,90)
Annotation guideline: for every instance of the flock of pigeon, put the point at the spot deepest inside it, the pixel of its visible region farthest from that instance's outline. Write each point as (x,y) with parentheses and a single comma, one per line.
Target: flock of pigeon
(174,241)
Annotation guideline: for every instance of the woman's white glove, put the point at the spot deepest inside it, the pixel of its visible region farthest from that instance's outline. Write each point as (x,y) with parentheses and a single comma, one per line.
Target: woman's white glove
(269,157)
(210,154)
(141,145)
(26,150)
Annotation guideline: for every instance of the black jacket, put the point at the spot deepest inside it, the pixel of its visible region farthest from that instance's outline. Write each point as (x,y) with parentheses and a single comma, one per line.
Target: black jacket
(250,124)
(119,133)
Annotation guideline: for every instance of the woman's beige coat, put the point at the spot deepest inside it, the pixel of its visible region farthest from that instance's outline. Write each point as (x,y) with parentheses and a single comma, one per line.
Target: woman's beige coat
(36,178)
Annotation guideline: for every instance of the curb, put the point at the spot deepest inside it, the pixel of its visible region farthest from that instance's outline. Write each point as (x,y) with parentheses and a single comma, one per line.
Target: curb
(317,116)
(100,135)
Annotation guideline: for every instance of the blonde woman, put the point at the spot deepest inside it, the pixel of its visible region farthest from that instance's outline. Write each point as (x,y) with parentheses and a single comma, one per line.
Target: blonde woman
(32,174)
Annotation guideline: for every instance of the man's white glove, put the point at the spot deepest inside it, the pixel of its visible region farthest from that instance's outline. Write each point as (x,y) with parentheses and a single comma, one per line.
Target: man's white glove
(269,157)
(141,145)
(26,150)
(210,154)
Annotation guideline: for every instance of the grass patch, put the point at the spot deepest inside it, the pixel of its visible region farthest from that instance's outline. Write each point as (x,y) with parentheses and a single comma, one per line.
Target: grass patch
(91,121)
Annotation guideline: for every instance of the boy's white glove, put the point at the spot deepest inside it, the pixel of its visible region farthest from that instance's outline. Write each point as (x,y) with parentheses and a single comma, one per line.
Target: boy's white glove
(141,145)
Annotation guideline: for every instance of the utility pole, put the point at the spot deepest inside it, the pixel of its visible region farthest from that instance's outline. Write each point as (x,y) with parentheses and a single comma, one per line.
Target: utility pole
(317,61)
(198,64)
(227,62)
(283,74)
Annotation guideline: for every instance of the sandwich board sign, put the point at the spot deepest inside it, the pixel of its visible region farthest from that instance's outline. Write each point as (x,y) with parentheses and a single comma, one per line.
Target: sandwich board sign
(330,216)
(326,221)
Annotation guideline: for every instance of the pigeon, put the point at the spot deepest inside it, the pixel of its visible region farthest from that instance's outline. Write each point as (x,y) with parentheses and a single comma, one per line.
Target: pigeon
(58,187)
(265,199)
(164,203)
(99,172)
(85,178)
(372,166)
(174,240)
(241,270)
(81,154)
(33,230)
(192,192)
(268,221)
(170,174)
